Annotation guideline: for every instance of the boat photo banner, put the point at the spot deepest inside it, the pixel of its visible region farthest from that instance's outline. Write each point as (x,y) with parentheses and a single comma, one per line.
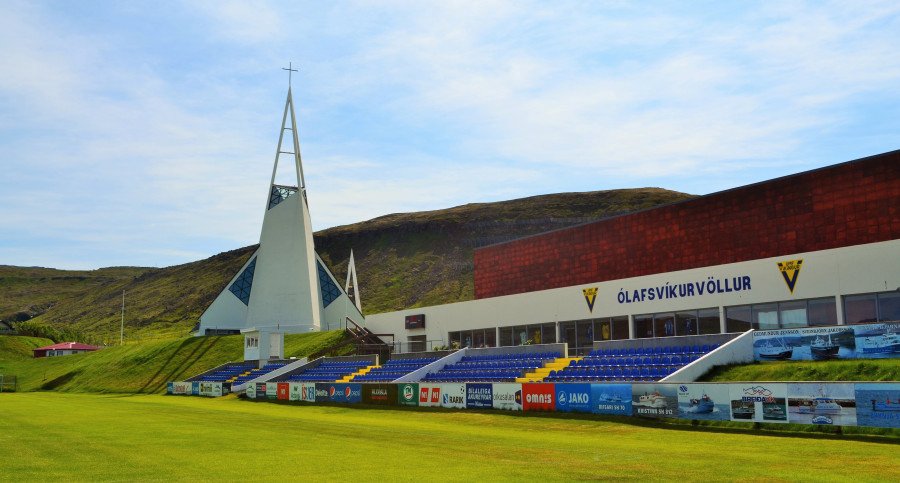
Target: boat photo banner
(867,341)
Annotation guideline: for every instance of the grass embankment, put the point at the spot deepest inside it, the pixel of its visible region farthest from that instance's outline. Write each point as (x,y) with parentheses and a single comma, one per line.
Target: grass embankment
(139,367)
(149,437)
(852,370)
(20,347)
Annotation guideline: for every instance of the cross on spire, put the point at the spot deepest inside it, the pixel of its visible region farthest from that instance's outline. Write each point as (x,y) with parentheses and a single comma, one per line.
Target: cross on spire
(290,70)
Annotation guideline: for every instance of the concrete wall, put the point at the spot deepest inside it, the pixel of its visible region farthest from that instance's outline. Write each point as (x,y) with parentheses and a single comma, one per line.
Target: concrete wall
(736,351)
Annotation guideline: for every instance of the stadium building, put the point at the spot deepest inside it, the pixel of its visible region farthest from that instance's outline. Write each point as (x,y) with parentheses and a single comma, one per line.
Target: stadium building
(819,248)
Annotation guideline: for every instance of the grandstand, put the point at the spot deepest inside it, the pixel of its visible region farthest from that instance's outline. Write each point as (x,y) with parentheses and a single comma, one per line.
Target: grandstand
(493,368)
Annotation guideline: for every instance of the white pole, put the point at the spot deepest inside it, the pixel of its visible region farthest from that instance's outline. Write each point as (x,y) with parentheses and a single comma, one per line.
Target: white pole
(122,330)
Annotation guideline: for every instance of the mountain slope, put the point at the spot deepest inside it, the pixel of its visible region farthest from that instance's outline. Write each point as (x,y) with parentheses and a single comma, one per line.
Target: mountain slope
(403,260)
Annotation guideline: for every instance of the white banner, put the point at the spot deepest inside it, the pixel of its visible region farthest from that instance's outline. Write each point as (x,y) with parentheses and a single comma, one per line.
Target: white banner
(429,394)
(507,396)
(181,388)
(453,396)
(762,402)
(303,391)
(251,390)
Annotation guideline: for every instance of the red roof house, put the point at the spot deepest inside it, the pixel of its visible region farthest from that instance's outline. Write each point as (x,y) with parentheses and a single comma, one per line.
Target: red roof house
(64,349)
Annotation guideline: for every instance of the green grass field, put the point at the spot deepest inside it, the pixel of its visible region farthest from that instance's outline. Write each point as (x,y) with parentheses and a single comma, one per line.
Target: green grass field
(48,436)
(837,370)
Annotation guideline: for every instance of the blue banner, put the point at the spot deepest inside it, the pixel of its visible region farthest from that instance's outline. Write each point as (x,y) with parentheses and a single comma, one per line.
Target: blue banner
(573,398)
(869,341)
(479,396)
(337,392)
(195,388)
(611,399)
(878,404)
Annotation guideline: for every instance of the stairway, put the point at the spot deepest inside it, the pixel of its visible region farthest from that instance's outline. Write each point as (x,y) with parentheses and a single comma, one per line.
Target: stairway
(364,370)
(235,378)
(540,373)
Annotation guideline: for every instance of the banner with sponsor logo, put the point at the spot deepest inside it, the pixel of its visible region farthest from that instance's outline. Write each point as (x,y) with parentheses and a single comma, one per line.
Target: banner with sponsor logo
(302,391)
(429,394)
(611,399)
(272,390)
(866,341)
(507,396)
(211,389)
(250,391)
(538,397)
(283,391)
(322,390)
(654,400)
(170,387)
(181,388)
(479,396)
(878,404)
(573,398)
(340,392)
(822,403)
(708,402)
(379,394)
(761,402)
(453,395)
(408,394)
(195,388)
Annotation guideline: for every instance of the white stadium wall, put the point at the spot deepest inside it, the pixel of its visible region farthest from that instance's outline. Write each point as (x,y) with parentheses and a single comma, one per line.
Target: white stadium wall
(835,273)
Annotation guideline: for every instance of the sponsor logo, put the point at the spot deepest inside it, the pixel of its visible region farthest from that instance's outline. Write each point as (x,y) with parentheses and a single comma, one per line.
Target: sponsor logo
(683,388)
(423,395)
(540,398)
(757,394)
(408,393)
(590,296)
(347,392)
(321,393)
(331,391)
(790,270)
(519,397)
(436,395)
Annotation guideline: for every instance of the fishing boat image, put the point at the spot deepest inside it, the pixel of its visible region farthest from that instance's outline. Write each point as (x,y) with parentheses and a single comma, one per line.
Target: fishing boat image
(651,400)
(888,405)
(773,351)
(826,405)
(822,348)
(610,399)
(883,344)
(773,411)
(743,411)
(702,405)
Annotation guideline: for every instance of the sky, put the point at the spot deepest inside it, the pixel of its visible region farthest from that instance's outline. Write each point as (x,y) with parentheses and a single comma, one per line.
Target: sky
(143,133)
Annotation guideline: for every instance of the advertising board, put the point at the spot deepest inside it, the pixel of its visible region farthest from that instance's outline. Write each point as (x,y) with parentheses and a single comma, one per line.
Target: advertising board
(573,398)
(864,341)
(878,404)
(707,402)
(611,399)
(761,402)
(453,395)
(654,400)
(479,396)
(538,397)
(379,394)
(408,394)
(506,396)
(429,394)
(283,391)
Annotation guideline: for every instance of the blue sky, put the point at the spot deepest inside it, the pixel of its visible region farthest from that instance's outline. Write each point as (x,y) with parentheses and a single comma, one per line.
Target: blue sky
(142,133)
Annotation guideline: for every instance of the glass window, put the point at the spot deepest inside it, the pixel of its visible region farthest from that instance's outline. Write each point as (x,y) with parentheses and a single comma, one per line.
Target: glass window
(643,326)
(765,316)
(602,329)
(455,338)
(478,338)
(888,306)
(686,323)
(792,313)
(619,327)
(506,336)
(585,333)
(664,325)
(737,319)
(520,335)
(548,332)
(708,321)
(490,337)
(567,333)
(860,309)
(466,338)
(822,312)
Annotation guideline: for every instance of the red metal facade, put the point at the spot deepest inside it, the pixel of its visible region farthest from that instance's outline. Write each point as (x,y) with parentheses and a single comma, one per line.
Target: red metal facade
(846,204)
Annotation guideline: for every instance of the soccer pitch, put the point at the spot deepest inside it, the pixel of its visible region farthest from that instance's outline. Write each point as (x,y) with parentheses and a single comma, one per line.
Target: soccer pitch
(49,436)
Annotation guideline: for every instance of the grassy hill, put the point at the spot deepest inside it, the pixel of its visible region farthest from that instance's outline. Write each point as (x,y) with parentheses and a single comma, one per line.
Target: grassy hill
(851,370)
(137,367)
(403,260)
